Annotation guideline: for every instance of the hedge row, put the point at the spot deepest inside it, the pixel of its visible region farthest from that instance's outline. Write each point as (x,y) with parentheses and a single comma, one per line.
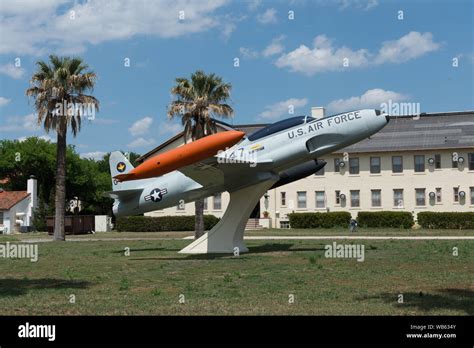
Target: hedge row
(394,219)
(316,220)
(161,223)
(446,220)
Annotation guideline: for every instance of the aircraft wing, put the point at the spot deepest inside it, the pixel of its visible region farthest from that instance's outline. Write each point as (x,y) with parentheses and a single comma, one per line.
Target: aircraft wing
(211,172)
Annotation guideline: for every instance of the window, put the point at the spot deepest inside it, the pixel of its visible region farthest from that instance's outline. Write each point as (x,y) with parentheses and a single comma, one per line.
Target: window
(398,198)
(419,163)
(284,224)
(217,201)
(374,165)
(1,216)
(336,165)
(438,161)
(420,197)
(301,196)
(456,194)
(321,171)
(320,201)
(470,157)
(397,164)
(438,195)
(205,203)
(283,199)
(355,198)
(454,160)
(280,126)
(338,197)
(354,165)
(376,198)
(470,188)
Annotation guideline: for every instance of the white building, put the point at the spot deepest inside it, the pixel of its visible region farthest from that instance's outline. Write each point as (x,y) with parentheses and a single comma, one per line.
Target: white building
(423,163)
(17,207)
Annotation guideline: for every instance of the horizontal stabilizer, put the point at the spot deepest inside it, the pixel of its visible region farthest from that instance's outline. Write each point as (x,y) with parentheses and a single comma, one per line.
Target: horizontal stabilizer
(123,177)
(123,195)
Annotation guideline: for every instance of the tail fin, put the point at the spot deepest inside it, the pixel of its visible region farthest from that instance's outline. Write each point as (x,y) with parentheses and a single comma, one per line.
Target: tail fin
(119,164)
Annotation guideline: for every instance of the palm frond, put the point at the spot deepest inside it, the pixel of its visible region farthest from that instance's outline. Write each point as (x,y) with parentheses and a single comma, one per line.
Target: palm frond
(60,82)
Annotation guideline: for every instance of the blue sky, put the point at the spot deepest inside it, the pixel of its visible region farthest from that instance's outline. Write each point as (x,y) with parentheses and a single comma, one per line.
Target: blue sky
(283,60)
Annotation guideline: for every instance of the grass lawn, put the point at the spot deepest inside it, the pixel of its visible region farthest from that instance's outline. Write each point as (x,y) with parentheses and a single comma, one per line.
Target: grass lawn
(360,232)
(264,232)
(150,280)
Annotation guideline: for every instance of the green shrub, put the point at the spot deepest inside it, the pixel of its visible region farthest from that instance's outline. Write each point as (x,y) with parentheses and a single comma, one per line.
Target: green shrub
(161,223)
(318,220)
(394,219)
(446,220)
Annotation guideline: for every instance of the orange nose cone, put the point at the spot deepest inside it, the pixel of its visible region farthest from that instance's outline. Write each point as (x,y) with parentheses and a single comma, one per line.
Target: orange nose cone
(182,156)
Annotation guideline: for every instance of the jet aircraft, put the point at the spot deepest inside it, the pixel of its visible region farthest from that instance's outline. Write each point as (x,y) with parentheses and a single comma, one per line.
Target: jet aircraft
(245,166)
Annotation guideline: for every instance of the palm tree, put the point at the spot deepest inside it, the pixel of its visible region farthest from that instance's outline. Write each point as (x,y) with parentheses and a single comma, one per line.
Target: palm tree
(197,102)
(58,88)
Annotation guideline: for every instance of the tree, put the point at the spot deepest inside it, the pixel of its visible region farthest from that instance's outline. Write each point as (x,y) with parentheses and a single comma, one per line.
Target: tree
(198,100)
(21,159)
(58,88)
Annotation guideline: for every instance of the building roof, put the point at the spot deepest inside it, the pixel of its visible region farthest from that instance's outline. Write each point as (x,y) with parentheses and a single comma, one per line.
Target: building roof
(10,198)
(448,130)
(429,131)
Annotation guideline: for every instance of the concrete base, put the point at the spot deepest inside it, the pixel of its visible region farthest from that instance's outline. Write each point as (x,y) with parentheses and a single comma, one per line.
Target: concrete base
(227,236)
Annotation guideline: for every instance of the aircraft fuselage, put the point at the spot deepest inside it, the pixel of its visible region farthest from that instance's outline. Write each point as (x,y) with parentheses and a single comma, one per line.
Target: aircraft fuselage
(279,150)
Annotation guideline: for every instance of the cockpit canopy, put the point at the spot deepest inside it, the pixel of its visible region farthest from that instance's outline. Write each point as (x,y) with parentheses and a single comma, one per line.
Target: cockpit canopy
(279,126)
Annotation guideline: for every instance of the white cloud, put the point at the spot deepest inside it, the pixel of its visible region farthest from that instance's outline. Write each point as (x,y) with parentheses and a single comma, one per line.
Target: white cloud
(471,57)
(322,57)
(28,123)
(165,128)
(229,24)
(141,126)
(410,46)
(29,6)
(344,4)
(372,98)
(94,155)
(44,137)
(170,128)
(275,111)
(104,120)
(371,4)
(228,29)
(248,53)
(12,71)
(275,47)
(254,4)
(39,27)
(4,101)
(141,142)
(267,17)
